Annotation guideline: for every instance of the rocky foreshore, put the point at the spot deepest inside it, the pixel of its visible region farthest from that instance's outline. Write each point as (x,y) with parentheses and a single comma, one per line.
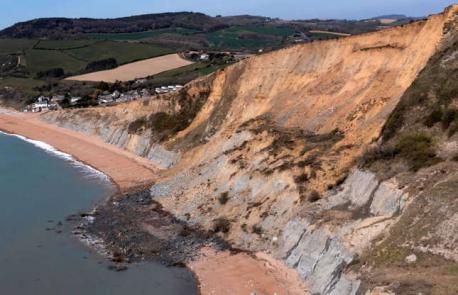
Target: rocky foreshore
(132,228)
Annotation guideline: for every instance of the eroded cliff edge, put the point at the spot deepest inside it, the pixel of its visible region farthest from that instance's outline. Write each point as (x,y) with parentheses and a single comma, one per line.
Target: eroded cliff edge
(264,153)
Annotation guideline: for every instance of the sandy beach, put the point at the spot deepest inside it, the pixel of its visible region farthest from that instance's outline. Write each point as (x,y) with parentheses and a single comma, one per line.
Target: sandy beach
(218,272)
(126,170)
(223,273)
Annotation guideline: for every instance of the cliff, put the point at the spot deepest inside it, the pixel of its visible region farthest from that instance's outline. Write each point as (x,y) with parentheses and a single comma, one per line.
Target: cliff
(263,153)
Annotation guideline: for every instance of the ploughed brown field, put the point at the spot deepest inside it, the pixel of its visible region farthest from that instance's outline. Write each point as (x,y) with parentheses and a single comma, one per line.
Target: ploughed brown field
(139,69)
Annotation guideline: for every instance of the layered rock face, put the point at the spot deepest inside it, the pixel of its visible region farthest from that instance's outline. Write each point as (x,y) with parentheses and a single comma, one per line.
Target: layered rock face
(263,153)
(340,228)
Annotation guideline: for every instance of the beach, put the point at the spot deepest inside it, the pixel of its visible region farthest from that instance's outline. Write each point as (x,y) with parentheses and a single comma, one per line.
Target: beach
(127,171)
(218,272)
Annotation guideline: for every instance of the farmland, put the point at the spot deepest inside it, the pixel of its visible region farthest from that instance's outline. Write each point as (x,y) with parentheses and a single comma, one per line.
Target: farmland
(135,36)
(74,55)
(30,67)
(250,37)
(184,74)
(135,70)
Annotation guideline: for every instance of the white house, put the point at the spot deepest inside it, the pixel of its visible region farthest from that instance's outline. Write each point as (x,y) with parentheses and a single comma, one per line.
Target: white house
(74,100)
(116,94)
(57,98)
(145,92)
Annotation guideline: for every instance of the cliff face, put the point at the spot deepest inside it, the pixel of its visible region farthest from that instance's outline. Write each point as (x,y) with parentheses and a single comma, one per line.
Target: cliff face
(263,153)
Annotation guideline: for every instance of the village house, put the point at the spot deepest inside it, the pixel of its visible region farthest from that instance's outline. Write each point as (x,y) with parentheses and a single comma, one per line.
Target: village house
(41,104)
(57,99)
(105,99)
(204,57)
(167,89)
(145,92)
(116,94)
(74,100)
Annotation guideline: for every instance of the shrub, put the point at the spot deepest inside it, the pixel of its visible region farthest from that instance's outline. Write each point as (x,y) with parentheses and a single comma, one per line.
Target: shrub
(161,121)
(100,65)
(223,198)
(393,123)
(301,178)
(435,116)
(221,224)
(453,128)
(313,197)
(136,126)
(418,149)
(448,117)
(377,153)
(256,229)
(51,73)
(448,90)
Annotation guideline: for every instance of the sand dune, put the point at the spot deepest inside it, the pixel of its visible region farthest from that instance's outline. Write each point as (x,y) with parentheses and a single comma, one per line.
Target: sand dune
(139,69)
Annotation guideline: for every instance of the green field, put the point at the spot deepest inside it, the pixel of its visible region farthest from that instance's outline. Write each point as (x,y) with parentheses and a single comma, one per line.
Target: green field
(62,44)
(264,30)
(234,37)
(140,35)
(184,74)
(26,85)
(15,46)
(74,55)
(42,60)
(123,52)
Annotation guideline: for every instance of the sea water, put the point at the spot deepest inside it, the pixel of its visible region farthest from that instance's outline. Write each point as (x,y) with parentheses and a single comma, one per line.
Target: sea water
(39,189)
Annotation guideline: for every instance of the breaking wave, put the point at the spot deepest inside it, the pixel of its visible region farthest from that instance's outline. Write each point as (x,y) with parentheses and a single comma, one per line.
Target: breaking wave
(87,170)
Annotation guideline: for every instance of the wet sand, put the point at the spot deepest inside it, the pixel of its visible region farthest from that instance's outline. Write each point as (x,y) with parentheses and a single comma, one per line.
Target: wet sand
(218,272)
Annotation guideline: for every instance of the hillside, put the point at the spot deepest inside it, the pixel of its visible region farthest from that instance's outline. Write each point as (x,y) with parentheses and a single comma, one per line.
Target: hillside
(64,27)
(265,154)
(36,55)
(185,29)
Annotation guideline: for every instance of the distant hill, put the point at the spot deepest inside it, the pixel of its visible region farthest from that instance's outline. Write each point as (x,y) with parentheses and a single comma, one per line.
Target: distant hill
(60,28)
(197,23)
(391,16)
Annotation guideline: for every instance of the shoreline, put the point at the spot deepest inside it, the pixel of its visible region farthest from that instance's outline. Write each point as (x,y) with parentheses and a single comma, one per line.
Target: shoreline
(217,269)
(126,171)
(64,156)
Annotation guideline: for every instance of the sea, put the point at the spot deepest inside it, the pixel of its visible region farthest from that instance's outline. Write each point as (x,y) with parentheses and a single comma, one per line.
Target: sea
(39,189)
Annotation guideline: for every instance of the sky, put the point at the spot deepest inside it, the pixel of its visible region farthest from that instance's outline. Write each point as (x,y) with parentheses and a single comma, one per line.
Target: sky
(13,11)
